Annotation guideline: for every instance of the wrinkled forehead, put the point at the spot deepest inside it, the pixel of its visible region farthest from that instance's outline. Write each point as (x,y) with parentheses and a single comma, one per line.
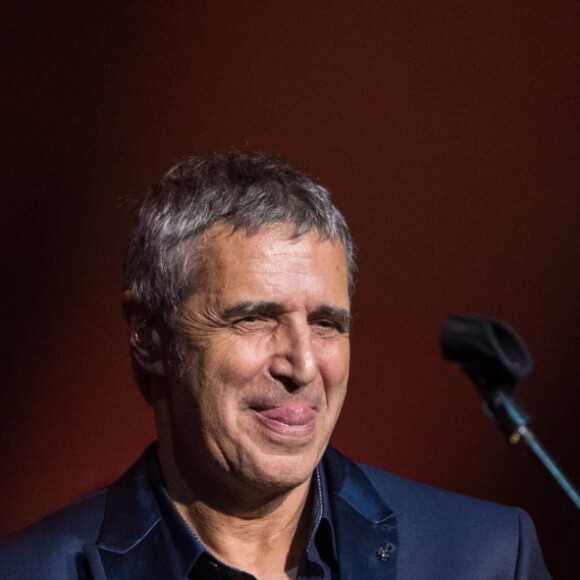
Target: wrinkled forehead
(236,241)
(274,255)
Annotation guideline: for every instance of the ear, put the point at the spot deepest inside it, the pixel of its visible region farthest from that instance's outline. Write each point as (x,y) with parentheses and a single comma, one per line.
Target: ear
(145,338)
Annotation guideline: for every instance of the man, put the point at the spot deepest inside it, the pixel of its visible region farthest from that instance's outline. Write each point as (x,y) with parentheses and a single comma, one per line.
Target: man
(238,279)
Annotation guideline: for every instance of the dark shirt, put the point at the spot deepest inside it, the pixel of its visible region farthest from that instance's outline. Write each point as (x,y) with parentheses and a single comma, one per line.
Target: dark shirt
(195,562)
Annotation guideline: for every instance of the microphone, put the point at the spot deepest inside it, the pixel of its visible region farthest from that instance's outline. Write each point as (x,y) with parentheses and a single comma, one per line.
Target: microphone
(494,357)
(488,350)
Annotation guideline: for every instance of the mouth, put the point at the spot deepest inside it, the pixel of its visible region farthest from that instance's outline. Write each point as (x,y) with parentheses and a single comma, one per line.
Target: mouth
(292,419)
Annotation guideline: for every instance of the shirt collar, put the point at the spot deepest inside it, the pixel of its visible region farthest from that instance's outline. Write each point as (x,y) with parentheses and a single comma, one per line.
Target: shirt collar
(320,559)
(320,556)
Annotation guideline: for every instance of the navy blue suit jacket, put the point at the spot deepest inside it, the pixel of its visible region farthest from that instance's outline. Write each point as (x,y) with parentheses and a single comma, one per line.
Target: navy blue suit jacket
(386,527)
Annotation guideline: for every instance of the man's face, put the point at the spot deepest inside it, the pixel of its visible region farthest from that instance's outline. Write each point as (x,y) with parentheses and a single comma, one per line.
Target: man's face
(264,346)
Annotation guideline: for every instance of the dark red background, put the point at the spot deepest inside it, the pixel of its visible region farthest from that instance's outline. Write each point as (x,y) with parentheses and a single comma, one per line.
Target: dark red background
(448,133)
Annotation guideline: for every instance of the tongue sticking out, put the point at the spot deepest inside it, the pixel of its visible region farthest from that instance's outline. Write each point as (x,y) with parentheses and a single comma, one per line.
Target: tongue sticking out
(290,414)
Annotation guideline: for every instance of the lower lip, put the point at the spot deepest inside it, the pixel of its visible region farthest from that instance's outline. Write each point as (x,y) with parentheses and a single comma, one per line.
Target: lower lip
(304,428)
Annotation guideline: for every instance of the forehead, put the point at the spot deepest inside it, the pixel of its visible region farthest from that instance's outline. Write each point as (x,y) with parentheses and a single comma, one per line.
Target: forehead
(273,260)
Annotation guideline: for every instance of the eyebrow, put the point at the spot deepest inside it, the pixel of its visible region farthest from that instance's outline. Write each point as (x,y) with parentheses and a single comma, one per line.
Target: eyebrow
(246,308)
(339,315)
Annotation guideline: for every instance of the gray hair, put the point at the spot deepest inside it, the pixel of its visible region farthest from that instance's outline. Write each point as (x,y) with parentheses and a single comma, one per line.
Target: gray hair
(247,191)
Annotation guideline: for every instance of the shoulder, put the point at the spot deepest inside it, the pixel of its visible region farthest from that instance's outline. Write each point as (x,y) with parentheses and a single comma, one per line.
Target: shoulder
(60,546)
(482,535)
(52,547)
(405,496)
(408,496)
(441,531)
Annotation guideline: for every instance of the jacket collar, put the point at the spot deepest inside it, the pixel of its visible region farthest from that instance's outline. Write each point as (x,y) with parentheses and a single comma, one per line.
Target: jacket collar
(365,527)
(132,537)
(132,532)
(132,510)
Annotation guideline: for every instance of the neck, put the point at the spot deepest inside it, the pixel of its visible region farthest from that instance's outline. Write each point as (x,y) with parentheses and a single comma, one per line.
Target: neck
(266,541)
(260,531)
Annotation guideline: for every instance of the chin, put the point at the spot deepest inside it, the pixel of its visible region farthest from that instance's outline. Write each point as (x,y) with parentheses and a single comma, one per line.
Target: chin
(282,472)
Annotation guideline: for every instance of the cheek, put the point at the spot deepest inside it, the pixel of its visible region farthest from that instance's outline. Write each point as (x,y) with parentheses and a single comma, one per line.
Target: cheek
(334,360)
(238,362)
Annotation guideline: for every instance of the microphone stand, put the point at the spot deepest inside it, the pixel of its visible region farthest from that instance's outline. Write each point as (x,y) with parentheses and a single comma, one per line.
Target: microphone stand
(495,357)
(513,422)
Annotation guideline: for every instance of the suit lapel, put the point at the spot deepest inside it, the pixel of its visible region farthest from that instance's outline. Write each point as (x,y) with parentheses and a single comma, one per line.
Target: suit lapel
(365,527)
(149,559)
(133,542)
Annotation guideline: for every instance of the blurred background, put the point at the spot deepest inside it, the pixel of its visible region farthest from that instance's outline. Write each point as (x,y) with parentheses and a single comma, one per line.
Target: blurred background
(448,133)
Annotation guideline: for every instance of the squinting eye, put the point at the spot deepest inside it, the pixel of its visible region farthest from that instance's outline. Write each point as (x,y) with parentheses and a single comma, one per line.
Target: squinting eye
(328,325)
(251,322)
(250,319)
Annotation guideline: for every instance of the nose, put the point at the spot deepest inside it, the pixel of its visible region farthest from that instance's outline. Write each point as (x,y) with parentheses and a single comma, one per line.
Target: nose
(294,361)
